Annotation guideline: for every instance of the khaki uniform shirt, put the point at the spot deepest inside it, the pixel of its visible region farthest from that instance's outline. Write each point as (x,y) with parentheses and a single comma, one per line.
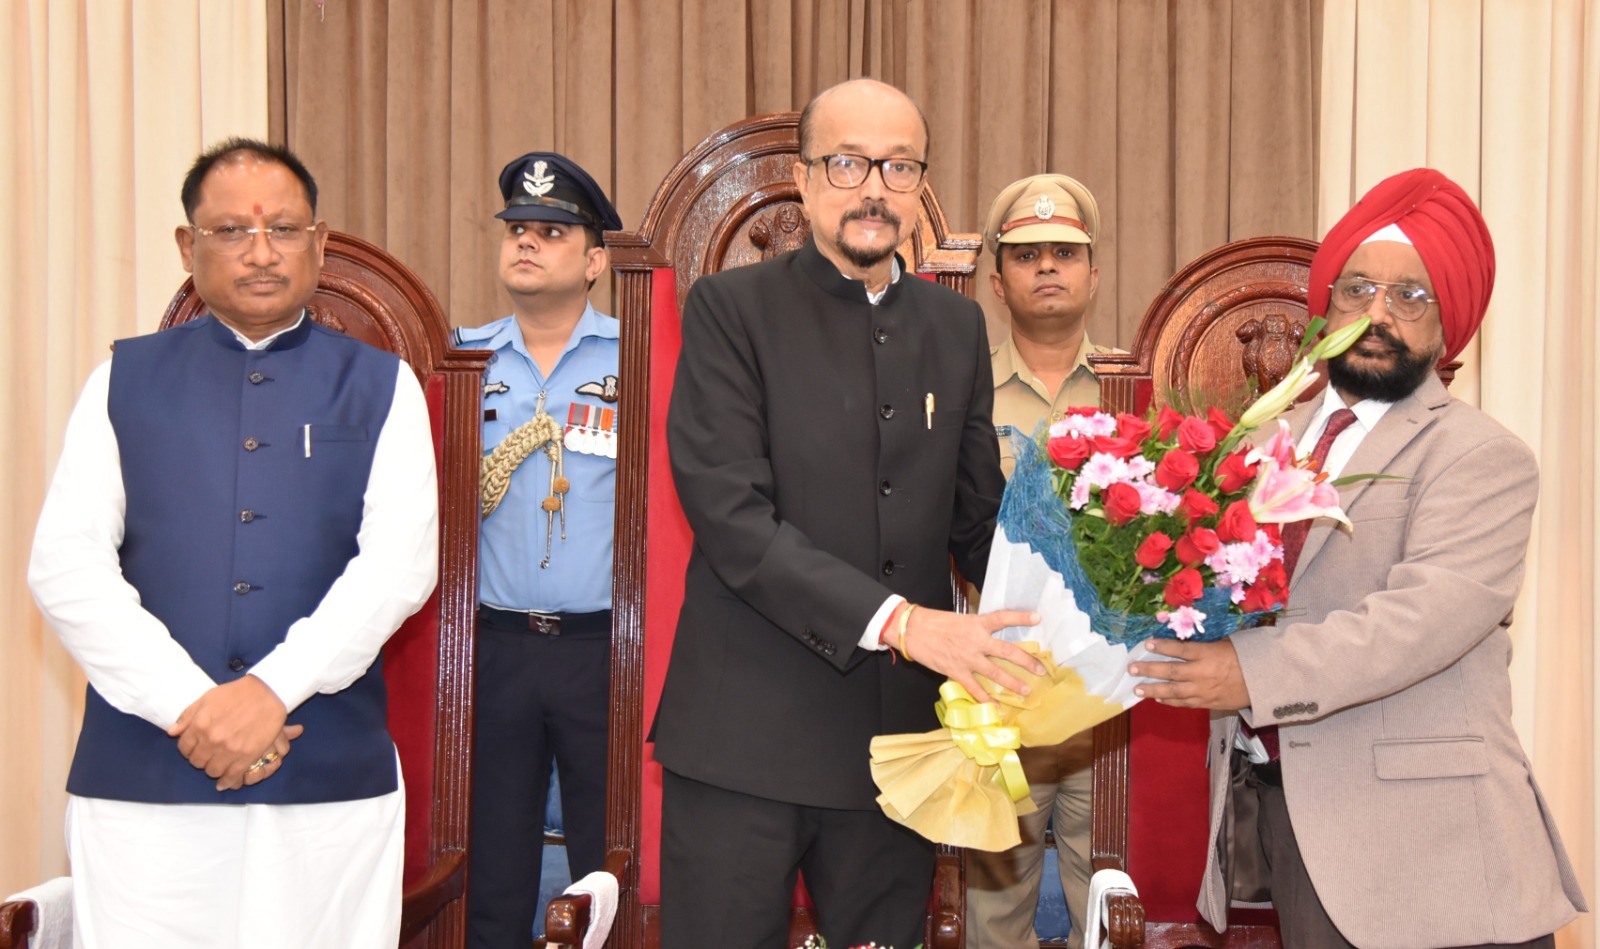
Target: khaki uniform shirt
(1021,401)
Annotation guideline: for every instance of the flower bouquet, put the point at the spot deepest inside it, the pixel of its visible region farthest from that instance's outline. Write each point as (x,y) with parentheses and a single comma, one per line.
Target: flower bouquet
(1115,529)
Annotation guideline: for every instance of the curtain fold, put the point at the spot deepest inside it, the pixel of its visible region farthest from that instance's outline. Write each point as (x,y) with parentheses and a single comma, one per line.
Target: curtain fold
(1191,120)
(103,104)
(1504,97)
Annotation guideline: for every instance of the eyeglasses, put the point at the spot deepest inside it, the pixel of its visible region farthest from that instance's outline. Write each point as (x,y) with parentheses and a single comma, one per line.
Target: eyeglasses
(1404,301)
(287,238)
(851,171)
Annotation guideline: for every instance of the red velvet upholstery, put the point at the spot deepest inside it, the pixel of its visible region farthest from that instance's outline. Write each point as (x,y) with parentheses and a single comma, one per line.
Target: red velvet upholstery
(368,294)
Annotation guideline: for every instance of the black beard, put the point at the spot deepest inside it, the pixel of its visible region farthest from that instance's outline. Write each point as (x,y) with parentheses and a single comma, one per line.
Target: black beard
(860,257)
(1384,385)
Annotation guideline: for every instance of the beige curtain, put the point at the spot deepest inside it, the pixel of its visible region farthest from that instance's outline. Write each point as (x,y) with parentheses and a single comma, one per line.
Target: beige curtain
(1191,120)
(1504,96)
(103,103)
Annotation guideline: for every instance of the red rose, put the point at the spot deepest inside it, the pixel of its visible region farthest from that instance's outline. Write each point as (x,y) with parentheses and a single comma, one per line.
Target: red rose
(1273,532)
(1238,525)
(1177,470)
(1195,435)
(1233,474)
(1220,424)
(1084,410)
(1271,589)
(1195,546)
(1132,427)
(1121,503)
(1114,446)
(1184,588)
(1196,505)
(1068,451)
(1167,422)
(1153,552)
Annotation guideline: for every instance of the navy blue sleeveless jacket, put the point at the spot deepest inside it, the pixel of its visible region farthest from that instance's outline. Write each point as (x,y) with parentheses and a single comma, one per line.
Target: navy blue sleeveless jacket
(233,532)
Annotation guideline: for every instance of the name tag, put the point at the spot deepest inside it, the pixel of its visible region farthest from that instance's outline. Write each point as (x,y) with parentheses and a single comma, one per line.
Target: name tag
(1002,431)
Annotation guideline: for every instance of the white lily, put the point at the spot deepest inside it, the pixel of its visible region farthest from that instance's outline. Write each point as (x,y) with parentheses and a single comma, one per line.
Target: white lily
(1301,377)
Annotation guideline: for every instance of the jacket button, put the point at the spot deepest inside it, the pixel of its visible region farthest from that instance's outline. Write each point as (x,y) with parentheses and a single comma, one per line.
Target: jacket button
(241,588)
(247,515)
(828,649)
(884,488)
(252,443)
(888,567)
(236,664)
(881,335)
(257,377)
(886,410)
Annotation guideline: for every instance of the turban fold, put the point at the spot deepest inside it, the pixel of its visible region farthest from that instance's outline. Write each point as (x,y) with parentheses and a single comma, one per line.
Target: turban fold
(1448,232)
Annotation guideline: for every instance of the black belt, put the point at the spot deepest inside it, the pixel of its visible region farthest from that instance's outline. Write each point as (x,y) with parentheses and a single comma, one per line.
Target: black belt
(587,625)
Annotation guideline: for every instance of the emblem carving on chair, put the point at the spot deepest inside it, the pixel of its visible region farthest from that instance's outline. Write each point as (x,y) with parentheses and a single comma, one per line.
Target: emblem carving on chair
(1270,345)
(323,315)
(781,231)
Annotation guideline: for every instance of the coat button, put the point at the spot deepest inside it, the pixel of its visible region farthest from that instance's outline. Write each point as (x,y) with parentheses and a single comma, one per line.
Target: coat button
(888,567)
(252,443)
(236,664)
(247,515)
(257,377)
(881,335)
(886,410)
(241,588)
(828,649)
(885,489)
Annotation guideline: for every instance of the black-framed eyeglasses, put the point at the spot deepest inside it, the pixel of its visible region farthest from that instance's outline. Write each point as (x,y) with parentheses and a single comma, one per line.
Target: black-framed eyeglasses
(1405,301)
(287,238)
(851,171)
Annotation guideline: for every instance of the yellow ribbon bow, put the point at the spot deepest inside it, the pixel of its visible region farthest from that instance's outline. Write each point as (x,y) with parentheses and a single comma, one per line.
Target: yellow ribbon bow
(975,728)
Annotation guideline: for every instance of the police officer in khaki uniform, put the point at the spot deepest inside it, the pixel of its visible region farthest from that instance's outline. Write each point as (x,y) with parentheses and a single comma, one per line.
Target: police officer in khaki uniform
(1042,232)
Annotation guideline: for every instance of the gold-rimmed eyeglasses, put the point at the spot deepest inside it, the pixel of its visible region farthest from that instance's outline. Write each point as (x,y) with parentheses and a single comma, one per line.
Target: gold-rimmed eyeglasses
(1405,301)
(287,238)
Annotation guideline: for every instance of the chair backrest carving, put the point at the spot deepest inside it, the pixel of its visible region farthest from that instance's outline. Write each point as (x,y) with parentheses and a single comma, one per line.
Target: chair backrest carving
(365,293)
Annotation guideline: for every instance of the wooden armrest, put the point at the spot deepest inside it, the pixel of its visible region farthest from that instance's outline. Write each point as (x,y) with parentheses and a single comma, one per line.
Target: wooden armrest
(423,900)
(1125,921)
(17,921)
(946,926)
(566,919)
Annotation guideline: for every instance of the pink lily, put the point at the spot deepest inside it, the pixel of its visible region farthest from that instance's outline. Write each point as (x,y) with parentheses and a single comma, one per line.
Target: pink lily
(1281,495)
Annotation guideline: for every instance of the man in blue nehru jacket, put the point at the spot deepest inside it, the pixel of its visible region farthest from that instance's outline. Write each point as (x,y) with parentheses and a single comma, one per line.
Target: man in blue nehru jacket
(544,555)
(244,510)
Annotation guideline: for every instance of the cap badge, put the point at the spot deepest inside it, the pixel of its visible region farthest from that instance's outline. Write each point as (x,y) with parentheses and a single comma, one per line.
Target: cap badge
(538,183)
(1044,209)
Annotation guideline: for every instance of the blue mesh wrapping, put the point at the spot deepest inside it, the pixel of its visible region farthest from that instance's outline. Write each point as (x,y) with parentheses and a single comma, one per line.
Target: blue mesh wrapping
(1033,514)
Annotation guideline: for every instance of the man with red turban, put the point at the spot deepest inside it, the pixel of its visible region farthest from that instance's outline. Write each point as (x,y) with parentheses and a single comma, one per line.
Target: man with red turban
(1395,804)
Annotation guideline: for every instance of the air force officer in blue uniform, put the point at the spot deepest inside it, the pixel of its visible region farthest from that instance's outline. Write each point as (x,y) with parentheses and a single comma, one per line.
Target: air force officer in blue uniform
(544,570)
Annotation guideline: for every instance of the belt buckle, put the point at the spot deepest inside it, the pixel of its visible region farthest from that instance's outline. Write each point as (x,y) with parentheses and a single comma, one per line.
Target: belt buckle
(548,624)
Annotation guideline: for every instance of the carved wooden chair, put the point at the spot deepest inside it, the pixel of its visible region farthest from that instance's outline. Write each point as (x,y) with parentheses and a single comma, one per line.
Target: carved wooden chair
(427,665)
(729,202)
(1234,315)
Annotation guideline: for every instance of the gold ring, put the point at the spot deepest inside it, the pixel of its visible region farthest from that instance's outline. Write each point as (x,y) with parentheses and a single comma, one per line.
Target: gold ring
(264,760)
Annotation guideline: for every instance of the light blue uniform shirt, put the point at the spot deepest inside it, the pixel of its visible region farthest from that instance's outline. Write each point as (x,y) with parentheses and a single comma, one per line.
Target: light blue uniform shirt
(511,541)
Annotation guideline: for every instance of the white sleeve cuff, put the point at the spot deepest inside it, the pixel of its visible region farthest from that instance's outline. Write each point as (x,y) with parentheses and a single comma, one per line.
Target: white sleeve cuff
(869,638)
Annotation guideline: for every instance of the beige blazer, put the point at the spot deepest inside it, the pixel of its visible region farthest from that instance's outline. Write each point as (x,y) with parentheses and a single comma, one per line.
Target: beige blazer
(1412,801)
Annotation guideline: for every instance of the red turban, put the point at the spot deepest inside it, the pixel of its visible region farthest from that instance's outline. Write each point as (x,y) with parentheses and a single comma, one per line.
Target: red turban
(1447,230)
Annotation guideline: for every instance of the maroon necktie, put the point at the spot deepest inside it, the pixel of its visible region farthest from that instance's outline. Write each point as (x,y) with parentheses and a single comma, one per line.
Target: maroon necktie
(1294,538)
